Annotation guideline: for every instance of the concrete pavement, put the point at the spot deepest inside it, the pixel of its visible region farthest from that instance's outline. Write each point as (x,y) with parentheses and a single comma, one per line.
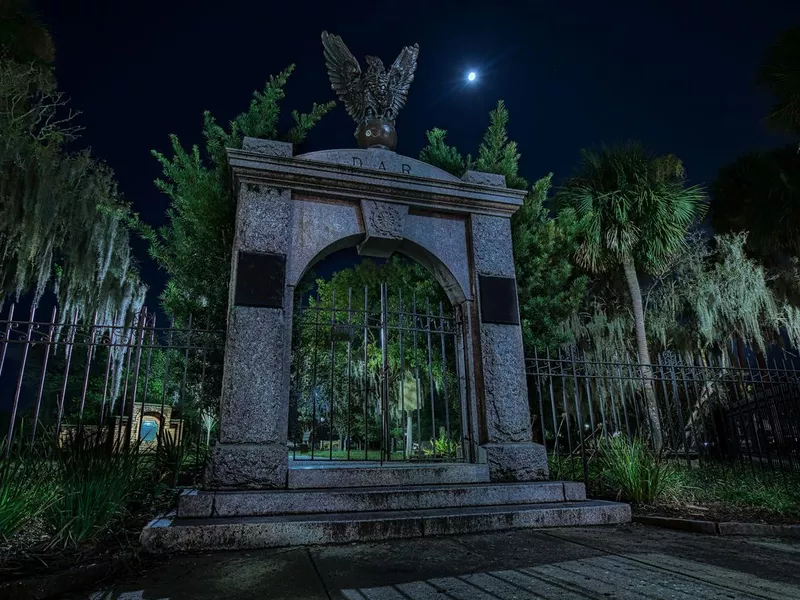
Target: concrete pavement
(625,562)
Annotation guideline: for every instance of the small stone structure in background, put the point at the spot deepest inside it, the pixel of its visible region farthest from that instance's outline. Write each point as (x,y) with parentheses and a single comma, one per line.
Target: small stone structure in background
(156,422)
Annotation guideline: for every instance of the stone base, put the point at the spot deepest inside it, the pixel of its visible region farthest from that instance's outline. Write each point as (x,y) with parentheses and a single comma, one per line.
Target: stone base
(240,533)
(516,462)
(248,466)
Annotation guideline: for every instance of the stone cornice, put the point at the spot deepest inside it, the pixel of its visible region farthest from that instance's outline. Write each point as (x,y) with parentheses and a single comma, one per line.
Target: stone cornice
(354,183)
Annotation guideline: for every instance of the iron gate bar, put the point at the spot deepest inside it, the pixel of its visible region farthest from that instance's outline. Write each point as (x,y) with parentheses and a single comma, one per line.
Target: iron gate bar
(166,379)
(7,337)
(366,376)
(331,380)
(41,379)
(430,375)
(416,375)
(407,443)
(147,381)
(86,371)
(444,375)
(349,367)
(181,397)
(69,347)
(19,380)
(794,422)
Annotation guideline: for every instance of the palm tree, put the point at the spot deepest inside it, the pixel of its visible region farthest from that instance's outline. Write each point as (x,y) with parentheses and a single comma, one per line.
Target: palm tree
(780,75)
(635,209)
(22,35)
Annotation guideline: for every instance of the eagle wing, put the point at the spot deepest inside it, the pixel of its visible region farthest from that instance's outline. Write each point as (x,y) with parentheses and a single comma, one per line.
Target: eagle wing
(400,77)
(345,75)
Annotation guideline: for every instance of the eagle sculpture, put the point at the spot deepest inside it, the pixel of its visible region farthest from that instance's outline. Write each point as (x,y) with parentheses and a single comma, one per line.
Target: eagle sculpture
(373,94)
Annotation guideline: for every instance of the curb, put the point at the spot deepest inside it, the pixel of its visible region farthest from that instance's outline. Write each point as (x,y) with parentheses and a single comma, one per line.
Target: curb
(57,584)
(721,528)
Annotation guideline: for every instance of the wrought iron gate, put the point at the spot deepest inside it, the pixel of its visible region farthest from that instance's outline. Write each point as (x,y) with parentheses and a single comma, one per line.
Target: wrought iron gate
(377,376)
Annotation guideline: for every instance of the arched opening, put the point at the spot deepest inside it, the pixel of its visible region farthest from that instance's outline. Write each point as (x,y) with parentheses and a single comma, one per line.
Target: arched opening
(148,432)
(377,363)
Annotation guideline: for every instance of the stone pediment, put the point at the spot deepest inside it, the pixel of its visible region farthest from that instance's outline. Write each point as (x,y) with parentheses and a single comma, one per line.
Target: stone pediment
(379,160)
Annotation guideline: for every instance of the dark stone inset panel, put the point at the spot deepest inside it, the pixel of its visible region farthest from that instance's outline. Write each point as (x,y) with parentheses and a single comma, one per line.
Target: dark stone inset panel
(260,280)
(498,300)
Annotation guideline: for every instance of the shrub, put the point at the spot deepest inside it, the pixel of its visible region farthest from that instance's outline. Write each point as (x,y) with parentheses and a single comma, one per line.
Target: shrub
(99,483)
(634,473)
(171,457)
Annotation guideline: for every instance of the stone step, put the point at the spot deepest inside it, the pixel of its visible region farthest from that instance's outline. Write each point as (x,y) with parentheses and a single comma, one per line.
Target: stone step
(333,474)
(173,535)
(201,504)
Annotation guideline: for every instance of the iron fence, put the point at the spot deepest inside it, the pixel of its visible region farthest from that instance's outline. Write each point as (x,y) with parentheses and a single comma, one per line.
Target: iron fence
(129,383)
(377,377)
(707,407)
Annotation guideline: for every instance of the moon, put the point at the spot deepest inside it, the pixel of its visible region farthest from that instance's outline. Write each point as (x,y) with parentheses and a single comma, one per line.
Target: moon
(472,76)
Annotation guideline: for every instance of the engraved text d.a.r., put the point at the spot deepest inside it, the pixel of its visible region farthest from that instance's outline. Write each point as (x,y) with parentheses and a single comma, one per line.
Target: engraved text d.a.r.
(405,168)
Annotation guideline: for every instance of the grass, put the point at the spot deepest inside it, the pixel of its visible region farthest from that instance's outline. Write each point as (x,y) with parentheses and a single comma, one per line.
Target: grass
(635,473)
(98,485)
(734,486)
(28,488)
(631,472)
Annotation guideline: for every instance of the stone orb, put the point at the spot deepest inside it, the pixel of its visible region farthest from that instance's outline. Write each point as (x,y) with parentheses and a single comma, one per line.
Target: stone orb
(377,133)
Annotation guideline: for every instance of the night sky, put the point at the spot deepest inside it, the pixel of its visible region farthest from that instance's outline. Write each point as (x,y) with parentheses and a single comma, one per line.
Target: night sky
(679,76)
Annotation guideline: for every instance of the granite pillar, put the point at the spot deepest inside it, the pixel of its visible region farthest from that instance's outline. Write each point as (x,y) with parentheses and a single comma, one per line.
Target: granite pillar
(255,390)
(506,433)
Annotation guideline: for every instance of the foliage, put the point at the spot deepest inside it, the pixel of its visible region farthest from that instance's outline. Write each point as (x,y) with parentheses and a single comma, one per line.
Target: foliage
(716,292)
(780,74)
(23,37)
(635,473)
(759,193)
(171,457)
(442,447)
(194,248)
(632,205)
(498,154)
(27,488)
(99,482)
(741,487)
(441,155)
(550,289)
(60,212)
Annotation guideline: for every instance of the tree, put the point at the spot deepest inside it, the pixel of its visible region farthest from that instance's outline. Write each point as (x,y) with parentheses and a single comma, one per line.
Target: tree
(780,75)
(496,153)
(549,287)
(442,155)
(635,209)
(759,193)
(23,37)
(61,214)
(195,247)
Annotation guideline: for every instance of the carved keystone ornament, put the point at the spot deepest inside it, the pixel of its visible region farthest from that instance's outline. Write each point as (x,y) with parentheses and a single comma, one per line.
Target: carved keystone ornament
(384,224)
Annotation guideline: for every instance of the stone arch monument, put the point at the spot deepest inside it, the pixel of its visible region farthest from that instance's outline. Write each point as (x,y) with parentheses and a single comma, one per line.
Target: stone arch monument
(294,210)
